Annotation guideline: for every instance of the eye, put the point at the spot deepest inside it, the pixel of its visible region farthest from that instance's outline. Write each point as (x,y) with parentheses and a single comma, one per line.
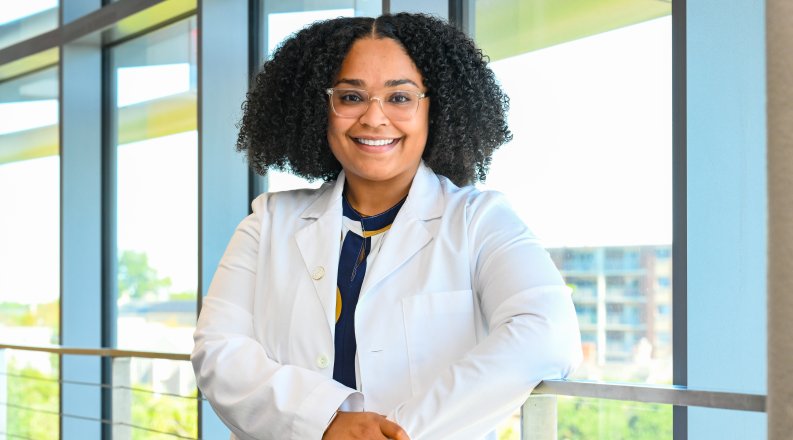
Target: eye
(400,97)
(350,97)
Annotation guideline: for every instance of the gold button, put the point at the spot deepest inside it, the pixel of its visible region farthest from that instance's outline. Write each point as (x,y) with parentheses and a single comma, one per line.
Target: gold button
(318,273)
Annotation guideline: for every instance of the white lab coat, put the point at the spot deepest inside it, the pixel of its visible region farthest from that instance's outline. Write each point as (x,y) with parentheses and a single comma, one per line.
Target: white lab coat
(460,316)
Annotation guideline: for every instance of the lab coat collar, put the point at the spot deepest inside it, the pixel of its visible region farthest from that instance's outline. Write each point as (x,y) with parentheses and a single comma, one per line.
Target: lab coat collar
(424,201)
(319,244)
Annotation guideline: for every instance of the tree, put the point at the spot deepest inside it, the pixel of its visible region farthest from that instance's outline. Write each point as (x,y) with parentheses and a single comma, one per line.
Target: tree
(136,278)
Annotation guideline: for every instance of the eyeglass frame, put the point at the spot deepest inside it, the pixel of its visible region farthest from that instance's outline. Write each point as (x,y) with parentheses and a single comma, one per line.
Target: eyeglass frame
(329,91)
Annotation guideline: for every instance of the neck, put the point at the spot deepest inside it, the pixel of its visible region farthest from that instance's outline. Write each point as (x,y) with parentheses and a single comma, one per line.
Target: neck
(371,198)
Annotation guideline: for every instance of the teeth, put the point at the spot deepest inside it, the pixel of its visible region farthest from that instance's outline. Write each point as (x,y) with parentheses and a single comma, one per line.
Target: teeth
(375,142)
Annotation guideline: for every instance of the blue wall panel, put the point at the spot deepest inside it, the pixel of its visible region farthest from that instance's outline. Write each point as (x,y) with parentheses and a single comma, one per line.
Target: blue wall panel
(726,210)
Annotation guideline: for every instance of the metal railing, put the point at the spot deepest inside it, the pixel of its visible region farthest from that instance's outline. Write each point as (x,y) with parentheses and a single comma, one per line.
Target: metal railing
(124,392)
(538,414)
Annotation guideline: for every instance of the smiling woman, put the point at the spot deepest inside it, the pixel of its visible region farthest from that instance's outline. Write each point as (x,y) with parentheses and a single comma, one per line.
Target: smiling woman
(380,155)
(390,302)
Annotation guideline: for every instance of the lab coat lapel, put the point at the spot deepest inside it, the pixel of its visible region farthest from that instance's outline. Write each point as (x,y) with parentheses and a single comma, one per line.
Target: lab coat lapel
(408,233)
(319,243)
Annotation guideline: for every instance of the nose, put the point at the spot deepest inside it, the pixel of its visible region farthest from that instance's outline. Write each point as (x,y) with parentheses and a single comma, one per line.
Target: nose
(374,115)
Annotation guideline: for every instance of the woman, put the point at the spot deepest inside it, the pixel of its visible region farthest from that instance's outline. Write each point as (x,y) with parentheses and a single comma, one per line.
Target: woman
(394,301)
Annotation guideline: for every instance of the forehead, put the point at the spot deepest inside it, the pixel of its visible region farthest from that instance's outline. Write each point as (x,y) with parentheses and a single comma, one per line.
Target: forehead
(376,61)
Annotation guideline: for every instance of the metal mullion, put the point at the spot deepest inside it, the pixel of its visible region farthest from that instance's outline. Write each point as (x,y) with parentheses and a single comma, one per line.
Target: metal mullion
(257,30)
(109,230)
(679,216)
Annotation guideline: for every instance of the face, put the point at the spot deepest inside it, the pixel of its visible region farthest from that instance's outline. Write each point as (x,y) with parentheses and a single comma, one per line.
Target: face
(373,148)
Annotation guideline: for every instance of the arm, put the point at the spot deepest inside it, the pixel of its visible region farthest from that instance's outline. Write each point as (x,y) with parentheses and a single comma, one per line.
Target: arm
(533,332)
(254,395)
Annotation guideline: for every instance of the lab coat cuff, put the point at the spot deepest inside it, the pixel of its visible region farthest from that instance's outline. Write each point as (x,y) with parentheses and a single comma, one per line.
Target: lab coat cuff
(319,407)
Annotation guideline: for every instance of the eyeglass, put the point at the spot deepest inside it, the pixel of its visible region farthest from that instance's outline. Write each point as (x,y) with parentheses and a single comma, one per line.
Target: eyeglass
(397,105)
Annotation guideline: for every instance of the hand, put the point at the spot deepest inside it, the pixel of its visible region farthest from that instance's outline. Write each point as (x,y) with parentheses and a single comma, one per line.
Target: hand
(363,426)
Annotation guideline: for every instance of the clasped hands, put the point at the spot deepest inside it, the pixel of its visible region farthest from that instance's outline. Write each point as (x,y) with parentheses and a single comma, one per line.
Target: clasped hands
(363,426)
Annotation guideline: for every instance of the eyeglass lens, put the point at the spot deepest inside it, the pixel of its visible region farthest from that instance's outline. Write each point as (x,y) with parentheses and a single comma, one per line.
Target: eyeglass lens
(397,105)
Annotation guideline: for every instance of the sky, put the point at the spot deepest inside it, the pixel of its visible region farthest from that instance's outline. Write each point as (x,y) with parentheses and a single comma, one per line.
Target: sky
(590,163)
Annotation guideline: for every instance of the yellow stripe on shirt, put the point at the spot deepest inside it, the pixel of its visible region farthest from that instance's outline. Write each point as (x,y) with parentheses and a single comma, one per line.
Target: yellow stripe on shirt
(367,234)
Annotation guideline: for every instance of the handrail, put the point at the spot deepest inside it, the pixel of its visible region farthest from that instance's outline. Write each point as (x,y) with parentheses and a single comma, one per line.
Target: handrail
(664,394)
(103,352)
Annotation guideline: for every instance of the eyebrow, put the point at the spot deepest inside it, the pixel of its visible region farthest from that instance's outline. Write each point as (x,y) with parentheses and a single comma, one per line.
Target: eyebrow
(389,83)
(399,82)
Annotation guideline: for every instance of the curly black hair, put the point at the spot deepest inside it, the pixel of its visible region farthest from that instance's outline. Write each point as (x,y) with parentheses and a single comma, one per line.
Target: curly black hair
(285,120)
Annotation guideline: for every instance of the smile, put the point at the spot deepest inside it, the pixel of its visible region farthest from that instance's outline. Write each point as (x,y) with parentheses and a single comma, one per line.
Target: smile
(376,142)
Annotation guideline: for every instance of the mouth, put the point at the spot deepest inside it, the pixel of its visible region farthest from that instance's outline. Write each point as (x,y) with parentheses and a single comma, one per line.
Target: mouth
(376,142)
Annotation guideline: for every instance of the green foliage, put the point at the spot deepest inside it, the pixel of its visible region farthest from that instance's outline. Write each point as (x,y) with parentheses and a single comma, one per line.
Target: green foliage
(156,412)
(174,415)
(588,419)
(183,296)
(136,278)
(27,315)
(36,391)
(508,434)
(600,419)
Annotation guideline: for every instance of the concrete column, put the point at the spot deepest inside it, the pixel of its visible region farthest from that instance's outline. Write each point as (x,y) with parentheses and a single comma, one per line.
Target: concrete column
(122,400)
(538,417)
(779,64)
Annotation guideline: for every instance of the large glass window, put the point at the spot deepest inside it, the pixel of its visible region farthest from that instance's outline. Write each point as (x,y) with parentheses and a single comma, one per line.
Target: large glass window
(29,252)
(157,188)
(155,120)
(20,20)
(590,167)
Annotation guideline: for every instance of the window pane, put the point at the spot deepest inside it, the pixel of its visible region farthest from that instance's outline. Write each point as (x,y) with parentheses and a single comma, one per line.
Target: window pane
(157,188)
(30,400)
(161,397)
(20,20)
(280,19)
(589,169)
(29,251)
(601,419)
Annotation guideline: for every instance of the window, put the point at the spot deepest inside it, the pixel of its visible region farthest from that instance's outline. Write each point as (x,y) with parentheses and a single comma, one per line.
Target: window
(29,250)
(591,101)
(155,112)
(157,195)
(282,18)
(20,20)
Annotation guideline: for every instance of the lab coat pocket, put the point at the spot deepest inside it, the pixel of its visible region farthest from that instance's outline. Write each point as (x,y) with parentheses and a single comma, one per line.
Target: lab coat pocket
(440,329)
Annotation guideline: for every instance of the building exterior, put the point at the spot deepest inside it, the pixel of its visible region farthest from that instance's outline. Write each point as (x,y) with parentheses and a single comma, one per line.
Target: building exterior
(623,297)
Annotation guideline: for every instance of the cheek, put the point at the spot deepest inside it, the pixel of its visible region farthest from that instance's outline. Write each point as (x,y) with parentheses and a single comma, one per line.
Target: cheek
(337,138)
(336,132)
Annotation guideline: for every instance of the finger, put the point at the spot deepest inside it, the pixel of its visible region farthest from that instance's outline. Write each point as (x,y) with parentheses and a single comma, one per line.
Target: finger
(392,430)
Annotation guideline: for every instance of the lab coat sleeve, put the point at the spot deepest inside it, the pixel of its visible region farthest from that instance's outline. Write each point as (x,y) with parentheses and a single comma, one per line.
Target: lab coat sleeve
(533,332)
(255,396)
